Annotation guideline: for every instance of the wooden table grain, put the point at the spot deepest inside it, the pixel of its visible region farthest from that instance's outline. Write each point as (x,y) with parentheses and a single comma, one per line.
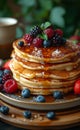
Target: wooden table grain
(4,126)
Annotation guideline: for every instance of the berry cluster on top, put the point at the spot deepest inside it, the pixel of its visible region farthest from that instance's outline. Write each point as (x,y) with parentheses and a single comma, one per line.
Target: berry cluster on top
(44,36)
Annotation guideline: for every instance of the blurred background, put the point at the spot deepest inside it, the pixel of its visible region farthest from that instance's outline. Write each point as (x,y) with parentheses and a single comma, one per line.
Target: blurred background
(64,14)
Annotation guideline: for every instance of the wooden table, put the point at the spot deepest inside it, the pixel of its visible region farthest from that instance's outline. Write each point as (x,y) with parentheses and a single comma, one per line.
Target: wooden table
(4,126)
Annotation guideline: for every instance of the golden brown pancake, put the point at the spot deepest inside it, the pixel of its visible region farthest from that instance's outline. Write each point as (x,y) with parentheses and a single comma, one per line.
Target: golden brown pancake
(44,70)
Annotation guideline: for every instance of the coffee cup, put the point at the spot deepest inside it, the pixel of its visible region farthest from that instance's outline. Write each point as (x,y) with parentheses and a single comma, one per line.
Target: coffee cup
(7,35)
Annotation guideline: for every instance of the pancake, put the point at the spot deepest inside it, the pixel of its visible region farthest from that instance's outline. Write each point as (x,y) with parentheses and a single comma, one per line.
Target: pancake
(55,74)
(40,55)
(48,66)
(45,69)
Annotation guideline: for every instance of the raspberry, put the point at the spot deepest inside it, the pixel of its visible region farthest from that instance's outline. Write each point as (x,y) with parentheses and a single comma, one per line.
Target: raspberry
(37,42)
(59,32)
(6,65)
(77,87)
(49,32)
(28,38)
(35,31)
(6,77)
(10,86)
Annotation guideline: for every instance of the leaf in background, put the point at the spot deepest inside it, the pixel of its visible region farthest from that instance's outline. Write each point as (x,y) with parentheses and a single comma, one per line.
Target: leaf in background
(27,3)
(46,4)
(19,32)
(56,16)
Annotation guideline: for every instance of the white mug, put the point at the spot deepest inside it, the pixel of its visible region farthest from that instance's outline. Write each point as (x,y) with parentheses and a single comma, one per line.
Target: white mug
(7,35)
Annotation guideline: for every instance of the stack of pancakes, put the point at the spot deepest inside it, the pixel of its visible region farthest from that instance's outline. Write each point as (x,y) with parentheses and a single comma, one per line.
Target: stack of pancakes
(44,70)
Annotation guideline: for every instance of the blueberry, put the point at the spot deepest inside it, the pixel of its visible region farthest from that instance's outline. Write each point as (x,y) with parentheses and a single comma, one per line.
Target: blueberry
(0,80)
(1,73)
(47,43)
(50,115)
(25,93)
(40,98)
(57,94)
(4,110)
(7,71)
(21,43)
(27,114)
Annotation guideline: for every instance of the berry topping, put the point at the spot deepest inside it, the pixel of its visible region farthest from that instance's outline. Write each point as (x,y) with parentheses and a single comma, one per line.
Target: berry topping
(58,40)
(59,32)
(45,36)
(27,114)
(4,110)
(6,77)
(1,73)
(77,87)
(6,65)
(50,115)
(25,93)
(40,98)
(35,31)
(49,32)
(21,43)
(47,43)
(10,86)
(28,38)
(1,87)
(58,95)
(7,71)
(37,42)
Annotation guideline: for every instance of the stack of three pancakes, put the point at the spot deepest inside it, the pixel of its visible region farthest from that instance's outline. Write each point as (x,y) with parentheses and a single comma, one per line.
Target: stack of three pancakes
(44,70)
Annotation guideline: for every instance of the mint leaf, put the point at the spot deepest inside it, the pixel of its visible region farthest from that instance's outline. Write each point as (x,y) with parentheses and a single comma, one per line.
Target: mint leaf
(45,25)
(43,36)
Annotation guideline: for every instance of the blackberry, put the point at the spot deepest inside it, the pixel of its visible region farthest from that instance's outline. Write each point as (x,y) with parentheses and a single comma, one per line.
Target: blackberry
(6,77)
(58,40)
(1,87)
(35,31)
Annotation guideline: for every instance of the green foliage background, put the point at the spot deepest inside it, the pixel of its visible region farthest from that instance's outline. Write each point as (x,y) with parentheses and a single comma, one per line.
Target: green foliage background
(64,14)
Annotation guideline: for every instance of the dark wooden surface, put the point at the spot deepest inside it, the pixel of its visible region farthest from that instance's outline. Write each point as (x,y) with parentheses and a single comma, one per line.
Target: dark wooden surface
(4,126)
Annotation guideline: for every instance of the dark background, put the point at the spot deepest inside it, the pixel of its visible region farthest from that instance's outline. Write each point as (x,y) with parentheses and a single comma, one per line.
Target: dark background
(64,14)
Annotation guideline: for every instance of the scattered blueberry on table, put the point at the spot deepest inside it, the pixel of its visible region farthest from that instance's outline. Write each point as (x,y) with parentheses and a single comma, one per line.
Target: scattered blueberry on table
(4,110)
(50,115)
(27,114)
